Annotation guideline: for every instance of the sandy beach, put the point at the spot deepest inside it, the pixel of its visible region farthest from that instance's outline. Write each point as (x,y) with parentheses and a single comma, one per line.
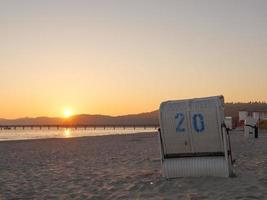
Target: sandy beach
(121,167)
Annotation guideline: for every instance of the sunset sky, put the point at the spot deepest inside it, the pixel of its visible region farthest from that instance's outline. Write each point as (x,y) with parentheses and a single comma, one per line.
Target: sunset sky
(121,57)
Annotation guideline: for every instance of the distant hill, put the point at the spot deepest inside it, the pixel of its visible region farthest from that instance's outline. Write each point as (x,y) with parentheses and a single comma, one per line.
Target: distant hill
(149,118)
(31,121)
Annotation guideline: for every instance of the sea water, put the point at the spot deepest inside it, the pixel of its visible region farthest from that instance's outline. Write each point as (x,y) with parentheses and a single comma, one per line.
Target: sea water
(37,133)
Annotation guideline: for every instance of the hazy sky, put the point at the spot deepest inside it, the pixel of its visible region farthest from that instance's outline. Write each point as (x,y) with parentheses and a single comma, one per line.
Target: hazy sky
(119,57)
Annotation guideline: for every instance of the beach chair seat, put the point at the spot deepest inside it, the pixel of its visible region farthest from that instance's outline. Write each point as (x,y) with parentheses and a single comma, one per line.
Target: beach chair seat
(194,139)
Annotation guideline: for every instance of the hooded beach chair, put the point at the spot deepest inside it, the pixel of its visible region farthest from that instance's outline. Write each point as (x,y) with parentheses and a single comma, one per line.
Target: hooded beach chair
(193,137)
(250,127)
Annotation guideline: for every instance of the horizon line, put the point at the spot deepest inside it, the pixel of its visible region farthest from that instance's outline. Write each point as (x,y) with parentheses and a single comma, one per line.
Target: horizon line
(97,114)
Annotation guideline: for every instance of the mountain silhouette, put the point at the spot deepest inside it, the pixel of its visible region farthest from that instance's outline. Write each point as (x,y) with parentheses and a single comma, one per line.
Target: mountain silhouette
(149,118)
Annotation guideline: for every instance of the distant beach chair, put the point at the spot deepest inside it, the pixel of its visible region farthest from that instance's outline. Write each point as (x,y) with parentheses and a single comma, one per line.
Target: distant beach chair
(251,128)
(194,139)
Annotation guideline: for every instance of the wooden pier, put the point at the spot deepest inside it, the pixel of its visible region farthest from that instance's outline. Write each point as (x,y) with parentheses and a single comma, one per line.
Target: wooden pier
(78,126)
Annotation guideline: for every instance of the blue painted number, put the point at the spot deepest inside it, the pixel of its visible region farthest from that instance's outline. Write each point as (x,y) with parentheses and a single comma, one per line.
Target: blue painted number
(180,119)
(198,123)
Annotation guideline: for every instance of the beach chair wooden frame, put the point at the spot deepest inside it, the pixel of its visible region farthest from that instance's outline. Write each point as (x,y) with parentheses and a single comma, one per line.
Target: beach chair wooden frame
(194,140)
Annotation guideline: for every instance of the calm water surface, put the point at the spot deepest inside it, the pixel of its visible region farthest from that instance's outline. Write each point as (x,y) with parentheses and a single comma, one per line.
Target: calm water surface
(20,134)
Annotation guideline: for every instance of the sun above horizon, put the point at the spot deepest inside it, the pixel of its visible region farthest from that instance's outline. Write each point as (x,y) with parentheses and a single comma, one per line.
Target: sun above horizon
(67,113)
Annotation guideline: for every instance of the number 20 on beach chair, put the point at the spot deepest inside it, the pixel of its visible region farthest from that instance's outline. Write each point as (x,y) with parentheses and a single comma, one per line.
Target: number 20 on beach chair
(194,140)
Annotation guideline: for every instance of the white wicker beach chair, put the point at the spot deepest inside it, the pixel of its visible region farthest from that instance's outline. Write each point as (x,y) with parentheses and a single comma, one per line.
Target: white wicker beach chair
(194,139)
(250,127)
